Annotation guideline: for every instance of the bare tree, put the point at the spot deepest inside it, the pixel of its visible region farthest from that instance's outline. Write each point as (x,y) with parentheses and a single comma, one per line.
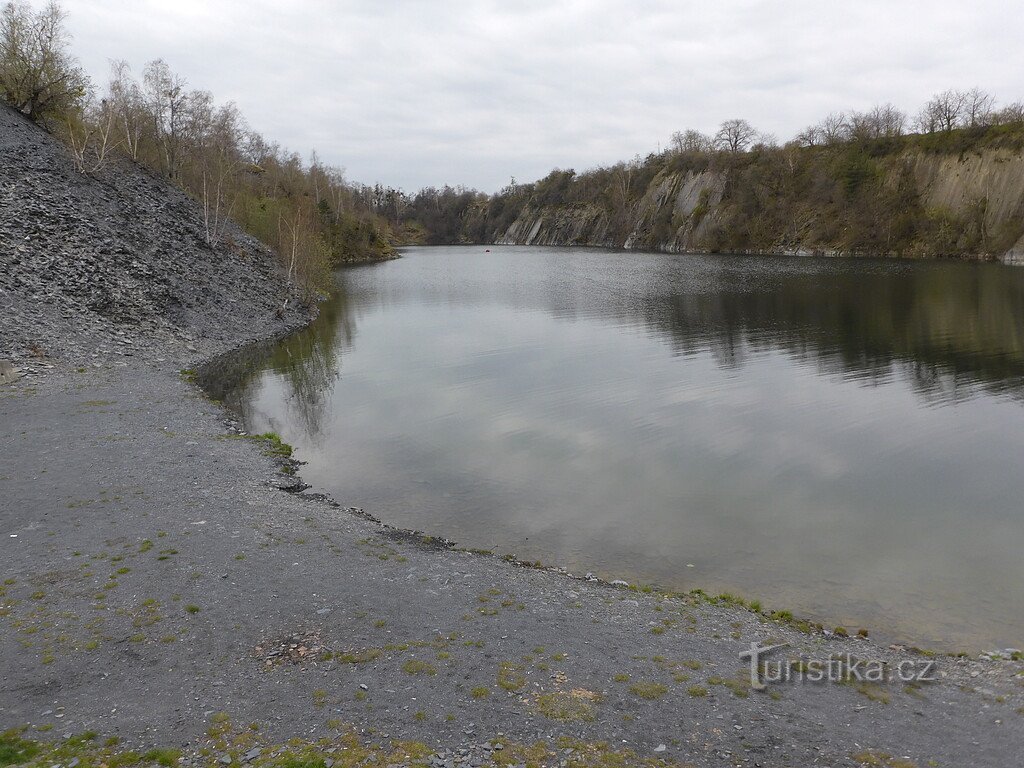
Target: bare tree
(37,74)
(833,129)
(128,105)
(881,121)
(888,121)
(943,112)
(977,109)
(221,164)
(691,141)
(165,92)
(91,136)
(735,135)
(1011,113)
(809,137)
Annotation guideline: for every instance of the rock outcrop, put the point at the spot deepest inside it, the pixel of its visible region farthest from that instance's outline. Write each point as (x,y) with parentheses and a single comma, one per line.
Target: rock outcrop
(686,211)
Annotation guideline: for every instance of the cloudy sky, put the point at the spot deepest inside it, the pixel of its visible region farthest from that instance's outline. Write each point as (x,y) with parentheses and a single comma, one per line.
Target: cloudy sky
(413,93)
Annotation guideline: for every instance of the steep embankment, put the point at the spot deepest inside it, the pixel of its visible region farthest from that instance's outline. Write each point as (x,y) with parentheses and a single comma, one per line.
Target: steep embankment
(95,265)
(906,201)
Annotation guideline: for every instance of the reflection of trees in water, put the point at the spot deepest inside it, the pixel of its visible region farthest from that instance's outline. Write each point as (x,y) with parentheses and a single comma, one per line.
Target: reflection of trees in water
(307,362)
(946,328)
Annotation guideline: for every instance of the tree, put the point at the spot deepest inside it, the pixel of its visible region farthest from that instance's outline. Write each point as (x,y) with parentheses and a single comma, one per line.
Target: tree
(37,74)
(691,141)
(881,121)
(735,135)
(888,121)
(221,163)
(128,107)
(809,137)
(167,99)
(1011,113)
(90,136)
(943,112)
(977,109)
(833,129)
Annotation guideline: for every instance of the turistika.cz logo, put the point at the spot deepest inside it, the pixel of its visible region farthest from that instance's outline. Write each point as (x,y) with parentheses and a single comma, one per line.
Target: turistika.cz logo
(840,668)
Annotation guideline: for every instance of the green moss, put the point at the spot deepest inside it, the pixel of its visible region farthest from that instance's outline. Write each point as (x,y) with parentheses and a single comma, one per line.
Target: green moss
(648,690)
(510,676)
(358,657)
(164,757)
(567,707)
(418,667)
(275,445)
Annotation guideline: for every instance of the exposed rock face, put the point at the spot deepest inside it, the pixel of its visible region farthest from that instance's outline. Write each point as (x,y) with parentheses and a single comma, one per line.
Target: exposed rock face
(113,264)
(679,212)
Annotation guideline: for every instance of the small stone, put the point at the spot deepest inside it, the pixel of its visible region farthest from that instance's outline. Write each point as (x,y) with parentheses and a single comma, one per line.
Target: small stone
(660,748)
(225,759)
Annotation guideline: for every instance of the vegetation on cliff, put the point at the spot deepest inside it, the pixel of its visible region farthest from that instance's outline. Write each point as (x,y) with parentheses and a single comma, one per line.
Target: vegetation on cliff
(853,183)
(307,212)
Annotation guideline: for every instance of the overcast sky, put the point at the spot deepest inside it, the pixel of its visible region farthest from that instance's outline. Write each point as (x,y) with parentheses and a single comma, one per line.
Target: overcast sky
(413,93)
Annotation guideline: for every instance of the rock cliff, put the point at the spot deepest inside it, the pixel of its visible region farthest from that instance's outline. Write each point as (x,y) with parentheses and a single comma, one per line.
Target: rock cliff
(964,205)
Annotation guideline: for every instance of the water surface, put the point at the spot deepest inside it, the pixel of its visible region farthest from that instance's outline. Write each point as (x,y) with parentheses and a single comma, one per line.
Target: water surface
(841,438)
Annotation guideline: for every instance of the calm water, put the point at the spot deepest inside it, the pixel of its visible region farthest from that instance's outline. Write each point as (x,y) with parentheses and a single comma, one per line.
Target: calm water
(840,438)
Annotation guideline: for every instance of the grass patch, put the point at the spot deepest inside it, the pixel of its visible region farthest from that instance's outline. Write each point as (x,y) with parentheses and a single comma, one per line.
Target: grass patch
(275,446)
(566,707)
(165,757)
(14,750)
(510,676)
(417,667)
(358,657)
(648,690)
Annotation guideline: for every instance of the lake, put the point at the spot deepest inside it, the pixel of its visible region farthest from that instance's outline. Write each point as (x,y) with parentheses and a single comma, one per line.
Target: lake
(840,438)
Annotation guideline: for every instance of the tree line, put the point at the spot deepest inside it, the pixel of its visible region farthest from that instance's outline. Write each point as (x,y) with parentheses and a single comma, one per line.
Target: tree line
(308,213)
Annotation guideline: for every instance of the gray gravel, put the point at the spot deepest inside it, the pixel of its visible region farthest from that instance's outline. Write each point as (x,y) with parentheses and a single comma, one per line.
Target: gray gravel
(154,575)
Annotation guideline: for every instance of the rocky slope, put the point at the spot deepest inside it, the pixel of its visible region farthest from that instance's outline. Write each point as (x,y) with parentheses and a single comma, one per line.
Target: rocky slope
(92,265)
(696,209)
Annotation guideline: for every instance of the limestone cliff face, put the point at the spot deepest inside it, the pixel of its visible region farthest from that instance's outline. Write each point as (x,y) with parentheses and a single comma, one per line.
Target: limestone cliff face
(686,211)
(957,183)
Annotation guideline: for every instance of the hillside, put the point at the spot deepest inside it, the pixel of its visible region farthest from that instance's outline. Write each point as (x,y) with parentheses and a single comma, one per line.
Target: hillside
(953,195)
(95,264)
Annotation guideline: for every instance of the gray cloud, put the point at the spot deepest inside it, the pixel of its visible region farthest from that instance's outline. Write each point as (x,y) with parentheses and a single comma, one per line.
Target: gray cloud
(411,93)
